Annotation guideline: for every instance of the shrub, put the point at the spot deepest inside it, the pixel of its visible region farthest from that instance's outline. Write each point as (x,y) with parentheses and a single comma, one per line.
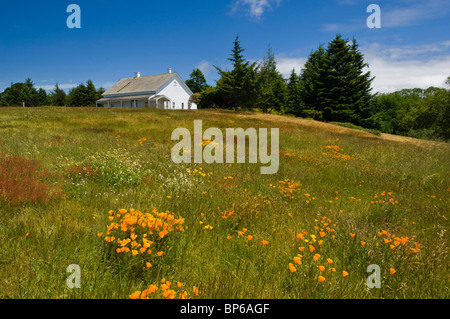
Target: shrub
(314,114)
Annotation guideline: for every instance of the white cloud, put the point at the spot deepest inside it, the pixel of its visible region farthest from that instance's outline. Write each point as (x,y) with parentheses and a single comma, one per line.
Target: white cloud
(254,8)
(206,67)
(402,13)
(408,67)
(286,64)
(414,13)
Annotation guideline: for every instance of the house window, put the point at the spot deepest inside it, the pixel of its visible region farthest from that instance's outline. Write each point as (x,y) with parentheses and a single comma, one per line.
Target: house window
(173,104)
(182,106)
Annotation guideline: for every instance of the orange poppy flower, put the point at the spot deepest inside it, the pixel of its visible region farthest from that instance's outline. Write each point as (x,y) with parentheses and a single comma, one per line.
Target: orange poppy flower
(292,268)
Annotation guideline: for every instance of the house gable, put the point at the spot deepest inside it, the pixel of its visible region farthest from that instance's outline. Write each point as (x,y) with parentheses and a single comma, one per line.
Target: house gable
(179,80)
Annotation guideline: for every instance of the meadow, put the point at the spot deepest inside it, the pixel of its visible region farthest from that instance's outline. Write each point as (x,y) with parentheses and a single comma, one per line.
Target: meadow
(97,188)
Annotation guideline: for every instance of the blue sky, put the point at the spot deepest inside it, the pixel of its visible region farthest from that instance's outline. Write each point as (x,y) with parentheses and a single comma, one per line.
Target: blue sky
(118,38)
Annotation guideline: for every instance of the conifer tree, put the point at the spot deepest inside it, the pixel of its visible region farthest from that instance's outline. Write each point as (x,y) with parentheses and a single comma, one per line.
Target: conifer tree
(271,87)
(312,79)
(237,88)
(294,103)
(334,83)
(197,82)
(58,96)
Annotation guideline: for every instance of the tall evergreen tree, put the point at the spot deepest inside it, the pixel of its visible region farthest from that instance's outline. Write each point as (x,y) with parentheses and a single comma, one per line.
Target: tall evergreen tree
(237,88)
(334,83)
(29,94)
(78,96)
(335,94)
(91,93)
(294,104)
(361,87)
(43,98)
(271,87)
(311,80)
(197,82)
(58,97)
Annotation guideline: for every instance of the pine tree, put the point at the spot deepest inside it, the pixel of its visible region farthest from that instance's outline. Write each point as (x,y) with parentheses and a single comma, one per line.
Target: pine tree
(91,92)
(335,97)
(197,82)
(271,87)
(78,96)
(311,82)
(294,99)
(334,83)
(29,94)
(237,88)
(58,97)
(43,99)
(361,87)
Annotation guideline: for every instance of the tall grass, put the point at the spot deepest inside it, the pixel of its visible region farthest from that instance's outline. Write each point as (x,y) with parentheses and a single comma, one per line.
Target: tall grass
(243,229)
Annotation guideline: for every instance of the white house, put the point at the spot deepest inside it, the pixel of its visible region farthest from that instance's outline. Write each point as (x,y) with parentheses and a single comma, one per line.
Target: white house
(163,91)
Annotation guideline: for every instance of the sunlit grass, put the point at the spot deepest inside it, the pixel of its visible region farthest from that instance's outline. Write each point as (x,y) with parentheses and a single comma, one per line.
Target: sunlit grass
(384,203)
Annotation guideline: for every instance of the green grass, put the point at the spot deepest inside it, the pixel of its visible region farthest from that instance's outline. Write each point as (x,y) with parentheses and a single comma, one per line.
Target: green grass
(357,127)
(346,184)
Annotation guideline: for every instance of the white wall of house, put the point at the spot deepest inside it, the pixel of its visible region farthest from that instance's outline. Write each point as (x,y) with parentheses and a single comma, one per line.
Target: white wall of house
(175,91)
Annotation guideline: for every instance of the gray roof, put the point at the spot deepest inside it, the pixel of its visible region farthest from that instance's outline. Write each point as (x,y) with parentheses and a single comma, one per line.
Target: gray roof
(125,98)
(150,83)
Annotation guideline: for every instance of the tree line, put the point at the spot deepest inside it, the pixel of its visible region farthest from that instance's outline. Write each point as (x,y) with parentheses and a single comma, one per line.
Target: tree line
(19,94)
(333,86)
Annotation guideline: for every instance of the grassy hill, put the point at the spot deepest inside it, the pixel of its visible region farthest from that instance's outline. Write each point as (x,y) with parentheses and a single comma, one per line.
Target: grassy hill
(342,200)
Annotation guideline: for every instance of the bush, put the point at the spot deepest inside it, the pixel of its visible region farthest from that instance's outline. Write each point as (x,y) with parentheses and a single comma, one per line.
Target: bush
(314,114)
